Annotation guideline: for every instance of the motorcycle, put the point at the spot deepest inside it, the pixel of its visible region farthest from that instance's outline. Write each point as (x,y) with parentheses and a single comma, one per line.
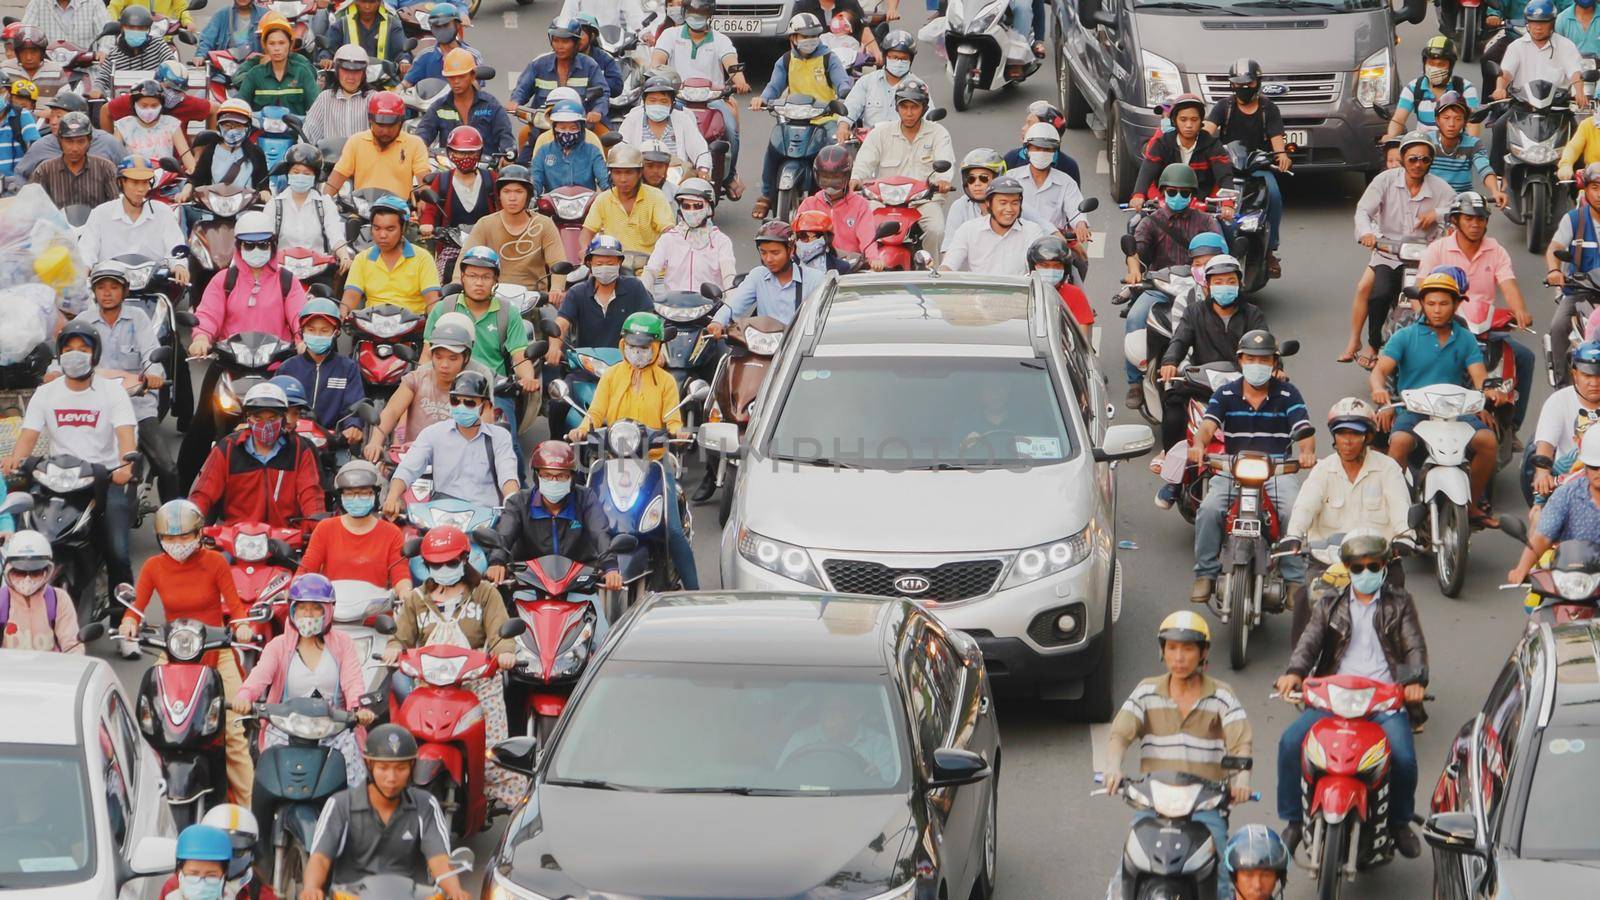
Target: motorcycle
(262,560)
(797,140)
(241,362)
(1253,230)
(983,49)
(220,68)
(1492,327)
(76,62)
(752,343)
(1443,490)
(401,887)
(1565,584)
(1464,20)
(1197,385)
(67,494)
(357,606)
(697,95)
(897,215)
(309,267)
(1170,854)
(568,206)
(294,781)
(621,44)
(214,208)
(1538,122)
(1402,310)
(424,511)
(1586,292)
(583,367)
(388,339)
(279,129)
(689,353)
(1143,347)
(151,289)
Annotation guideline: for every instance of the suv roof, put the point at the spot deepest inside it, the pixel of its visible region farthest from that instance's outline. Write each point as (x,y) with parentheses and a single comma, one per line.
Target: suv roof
(764,628)
(910,308)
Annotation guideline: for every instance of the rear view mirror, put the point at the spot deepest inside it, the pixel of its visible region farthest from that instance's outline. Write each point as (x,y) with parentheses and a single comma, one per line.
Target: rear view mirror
(1514,528)
(519,754)
(953,767)
(838,108)
(426,195)
(1289,347)
(560,392)
(1124,442)
(487,536)
(412,546)
(1452,832)
(722,437)
(935,115)
(1478,115)
(1237,763)
(1417,515)
(561,268)
(1129,245)
(941,165)
(152,856)
(624,543)
(711,291)
(513,628)
(1564,254)
(1089,205)
(385,624)
(110,29)
(486,73)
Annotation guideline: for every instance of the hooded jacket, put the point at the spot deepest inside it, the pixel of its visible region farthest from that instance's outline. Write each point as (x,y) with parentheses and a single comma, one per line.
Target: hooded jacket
(616,398)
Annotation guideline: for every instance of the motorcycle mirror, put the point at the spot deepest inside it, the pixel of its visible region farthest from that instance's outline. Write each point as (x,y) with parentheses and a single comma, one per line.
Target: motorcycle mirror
(1405,674)
(1130,245)
(384,624)
(110,29)
(186,319)
(161,356)
(204,139)
(711,291)
(1479,114)
(487,536)
(934,115)
(367,413)
(886,230)
(669,334)
(187,37)
(1089,205)
(699,389)
(125,594)
(513,628)
(168,164)
(1302,433)
(450,290)
(280,549)
(579,273)
(838,108)
(1592,75)
(294,122)
(548,323)
(941,165)
(537,349)
(91,632)
(719,147)
(610,139)
(561,268)
(624,543)
(1564,254)
(558,390)
(412,546)
(1237,763)
(1514,528)
(406,352)
(320,290)
(486,73)
(132,456)
(1289,348)
(1417,515)
(426,194)
(411,43)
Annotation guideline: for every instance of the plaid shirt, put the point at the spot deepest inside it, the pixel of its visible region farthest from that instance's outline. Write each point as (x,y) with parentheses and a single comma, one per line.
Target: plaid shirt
(79,23)
(1164,235)
(1196,743)
(148,57)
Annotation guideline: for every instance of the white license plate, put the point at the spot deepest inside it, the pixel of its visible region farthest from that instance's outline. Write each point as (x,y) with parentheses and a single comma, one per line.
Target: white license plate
(1247,527)
(736,24)
(1298,137)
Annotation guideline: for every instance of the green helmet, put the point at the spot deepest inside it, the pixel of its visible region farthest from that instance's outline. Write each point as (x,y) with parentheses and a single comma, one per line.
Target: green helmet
(643,325)
(1178,175)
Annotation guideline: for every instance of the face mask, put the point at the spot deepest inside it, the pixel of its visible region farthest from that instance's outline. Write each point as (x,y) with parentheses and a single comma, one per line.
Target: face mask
(196,887)
(694,218)
(266,433)
(1438,75)
(233,137)
(1225,294)
(676,17)
(1367,582)
(639,357)
(465,416)
(171,98)
(555,491)
(836,192)
(308,626)
(76,364)
(301,183)
(1041,159)
(1257,374)
(606,274)
(447,575)
(807,46)
(147,114)
(568,139)
(358,505)
(1246,94)
(1052,277)
(27,584)
(444,35)
(318,343)
(135,38)
(657,112)
(256,259)
(181,550)
(697,23)
(1177,203)
(811,249)
(898,67)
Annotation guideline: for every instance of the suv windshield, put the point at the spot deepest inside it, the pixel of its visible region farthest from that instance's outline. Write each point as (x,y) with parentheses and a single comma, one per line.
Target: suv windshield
(1557,824)
(1261,7)
(45,838)
(777,730)
(907,412)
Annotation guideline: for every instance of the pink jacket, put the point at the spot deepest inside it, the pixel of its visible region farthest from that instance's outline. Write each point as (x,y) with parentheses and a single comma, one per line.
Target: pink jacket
(266,680)
(852,221)
(244,310)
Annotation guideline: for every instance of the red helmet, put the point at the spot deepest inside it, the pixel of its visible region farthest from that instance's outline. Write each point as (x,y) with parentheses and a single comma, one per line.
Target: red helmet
(444,544)
(833,160)
(464,139)
(386,108)
(554,455)
(813,221)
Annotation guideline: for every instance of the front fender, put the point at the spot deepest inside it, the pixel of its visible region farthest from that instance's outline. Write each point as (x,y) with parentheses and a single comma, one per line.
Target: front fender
(188,777)
(434,758)
(297,822)
(1241,550)
(1446,440)
(1449,481)
(1337,795)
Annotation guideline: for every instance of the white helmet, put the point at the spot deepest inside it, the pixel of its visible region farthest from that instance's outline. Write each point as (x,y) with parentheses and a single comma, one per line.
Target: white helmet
(29,551)
(243,832)
(1042,133)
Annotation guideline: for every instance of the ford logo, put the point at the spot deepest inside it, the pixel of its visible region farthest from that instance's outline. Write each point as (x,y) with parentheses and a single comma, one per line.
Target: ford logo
(912,584)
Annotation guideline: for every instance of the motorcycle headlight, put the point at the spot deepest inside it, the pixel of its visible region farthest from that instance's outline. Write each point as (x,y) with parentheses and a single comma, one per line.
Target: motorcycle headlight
(1162,81)
(1038,562)
(185,641)
(1538,153)
(766,343)
(697,95)
(1173,801)
(309,728)
(63,479)
(250,547)
(895,194)
(387,326)
(227,400)
(651,519)
(230,205)
(1349,704)
(1575,585)
(571,207)
(779,558)
(442,671)
(1372,79)
(199,253)
(625,439)
(139,276)
(593,365)
(1412,251)
(1251,469)
(682,313)
(274,126)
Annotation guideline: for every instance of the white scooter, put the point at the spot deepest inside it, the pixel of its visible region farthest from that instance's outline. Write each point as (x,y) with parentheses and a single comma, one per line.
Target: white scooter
(356,603)
(983,49)
(1445,494)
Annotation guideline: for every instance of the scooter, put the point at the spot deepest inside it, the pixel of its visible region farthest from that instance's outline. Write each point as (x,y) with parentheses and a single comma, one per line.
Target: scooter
(583,367)
(424,512)
(241,362)
(151,289)
(689,353)
(67,493)
(1464,20)
(620,44)
(568,206)
(1197,385)
(1444,489)
(220,68)
(752,343)
(356,208)
(897,215)
(797,139)
(357,606)
(697,95)
(388,339)
(1492,327)
(1538,122)
(279,130)
(1170,854)
(1586,291)
(294,781)
(1565,584)
(262,560)
(400,887)
(216,207)
(1144,347)
(1402,311)
(983,49)
(1253,230)
(76,62)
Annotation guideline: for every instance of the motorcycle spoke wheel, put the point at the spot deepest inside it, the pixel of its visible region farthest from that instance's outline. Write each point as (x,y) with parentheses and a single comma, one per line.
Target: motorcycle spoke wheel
(1241,584)
(1330,868)
(1451,555)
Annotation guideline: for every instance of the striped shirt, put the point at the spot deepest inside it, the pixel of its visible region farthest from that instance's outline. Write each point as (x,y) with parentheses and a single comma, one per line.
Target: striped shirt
(1458,167)
(97,183)
(1264,428)
(121,59)
(335,116)
(1417,97)
(79,23)
(1196,743)
(18,131)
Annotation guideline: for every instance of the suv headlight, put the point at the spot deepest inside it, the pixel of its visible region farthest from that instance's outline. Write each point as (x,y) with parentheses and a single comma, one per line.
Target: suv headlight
(1372,79)
(899,892)
(778,558)
(1035,563)
(503,888)
(1162,80)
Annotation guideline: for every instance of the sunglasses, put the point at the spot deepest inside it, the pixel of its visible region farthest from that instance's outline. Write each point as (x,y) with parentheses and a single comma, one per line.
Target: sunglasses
(1179,192)
(255,245)
(1413,160)
(979,179)
(1356,568)
(463,401)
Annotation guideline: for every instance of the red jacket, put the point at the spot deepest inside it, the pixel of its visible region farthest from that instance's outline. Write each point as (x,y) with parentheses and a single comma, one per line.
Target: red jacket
(286,486)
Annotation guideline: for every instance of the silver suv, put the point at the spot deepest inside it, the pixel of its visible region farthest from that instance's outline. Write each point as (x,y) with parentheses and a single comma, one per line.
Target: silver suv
(943,439)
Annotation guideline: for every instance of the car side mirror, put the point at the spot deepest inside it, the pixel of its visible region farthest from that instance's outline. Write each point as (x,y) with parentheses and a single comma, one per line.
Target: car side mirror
(519,754)
(953,767)
(152,856)
(385,624)
(1452,832)
(1124,442)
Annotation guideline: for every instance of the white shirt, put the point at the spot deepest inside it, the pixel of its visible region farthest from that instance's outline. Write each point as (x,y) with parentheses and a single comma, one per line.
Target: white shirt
(964,209)
(871,100)
(1364,654)
(1558,61)
(886,153)
(690,144)
(109,232)
(628,14)
(1056,201)
(466,191)
(82,423)
(704,61)
(977,248)
(313,225)
(1562,422)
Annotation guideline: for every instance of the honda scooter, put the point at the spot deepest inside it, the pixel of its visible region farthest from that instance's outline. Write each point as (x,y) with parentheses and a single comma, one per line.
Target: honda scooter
(697,95)
(1144,347)
(67,494)
(262,560)
(897,214)
(1565,584)
(294,781)
(1253,228)
(357,606)
(752,343)
(1538,121)
(797,139)
(241,362)
(215,209)
(560,638)
(388,339)
(1170,854)
(1444,489)
(568,206)
(983,49)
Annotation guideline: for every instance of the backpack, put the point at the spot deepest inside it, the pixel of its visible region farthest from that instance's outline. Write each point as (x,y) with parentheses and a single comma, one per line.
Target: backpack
(277,227)
(1420,87)
(285,281)
(49,605)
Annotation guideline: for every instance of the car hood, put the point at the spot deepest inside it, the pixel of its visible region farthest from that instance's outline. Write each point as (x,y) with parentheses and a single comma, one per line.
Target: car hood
(1527,879)
(580,843)
(917,512)
(1322,43)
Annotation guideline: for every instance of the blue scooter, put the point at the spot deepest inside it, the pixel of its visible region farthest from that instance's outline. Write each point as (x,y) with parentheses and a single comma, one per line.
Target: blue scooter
(584,366)
(294,780)
(797,140)
(278,130)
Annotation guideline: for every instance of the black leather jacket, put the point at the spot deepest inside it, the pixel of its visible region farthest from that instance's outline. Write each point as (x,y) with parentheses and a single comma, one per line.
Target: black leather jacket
(1327,635)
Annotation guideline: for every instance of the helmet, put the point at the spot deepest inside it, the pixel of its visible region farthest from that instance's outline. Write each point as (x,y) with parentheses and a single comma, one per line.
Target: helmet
(470,384)
(1257,847)
(514,175)
(74,125)
(240,824)
(983,158)
(80,330)
(805,25)
(459,61)
(1050,248)
(171,74)
(389,204)
(899,40)
(814,220)
(643,328)
(1352,414)
(659,84)
(481,257)
(562,93)
(202,842)
(149,88)
(274,21)
(237,108)
(1414,138)
(1185,101)
(303,155)
(1184,627)
(70,101)
(566,111)
(554,455)
(29,551)
(1222,264)
(320,306)
(1539,11)
(22,87)
(1586,358)
(1045,111)
(1447,100)
(604,245)
(254,226)
(1439,281)
(1005,185)
(443,14)
(1259,342)
(137,17)
(28,37)
(445,544)
(774,231)
(311,588)
(709,7)
(1439,47)
(698,188)
(833,160)
(655,151)
(587,22)
(912,89)
(464,139)
(1469,203)
(178,517)
(1244,71)
(1207,243)
(1042,134)
(386,108)
(390,743)
(352,57)
(266,395)
(293,391)
(1178,175)
(1363,543)
(564,28)
(451,335)
(625,156)
(1455,272)
(105,270)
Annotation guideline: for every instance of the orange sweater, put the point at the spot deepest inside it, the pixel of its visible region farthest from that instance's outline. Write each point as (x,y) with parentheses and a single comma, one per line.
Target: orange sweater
(199,588)
(373,557)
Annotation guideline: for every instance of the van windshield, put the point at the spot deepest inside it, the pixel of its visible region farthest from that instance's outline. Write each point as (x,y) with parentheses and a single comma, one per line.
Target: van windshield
(1261,7)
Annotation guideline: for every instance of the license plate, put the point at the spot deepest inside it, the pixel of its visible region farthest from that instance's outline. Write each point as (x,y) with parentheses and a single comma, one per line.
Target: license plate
(736,24)
(1299,137)
(1247,527)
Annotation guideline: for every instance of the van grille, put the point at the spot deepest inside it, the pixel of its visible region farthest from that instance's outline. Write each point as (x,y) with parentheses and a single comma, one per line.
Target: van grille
(1303,88)
(946,583)
(759,10)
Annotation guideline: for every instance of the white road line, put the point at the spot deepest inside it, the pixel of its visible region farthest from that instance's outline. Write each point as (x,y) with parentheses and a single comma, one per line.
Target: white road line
(1097,738)
(1102,166)
(509,20)
(511,82)
(1097,245)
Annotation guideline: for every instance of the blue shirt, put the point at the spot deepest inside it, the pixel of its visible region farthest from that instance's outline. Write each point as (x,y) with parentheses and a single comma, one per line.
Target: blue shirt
(1570,514)
(225,30)
(18,131)
(585,165)
(1470,158)
(539,79)
(431,63)
(762,292)
(1421,361)
(487,116)
(608,64)
(1588,41)
(1263,429)
(263,458)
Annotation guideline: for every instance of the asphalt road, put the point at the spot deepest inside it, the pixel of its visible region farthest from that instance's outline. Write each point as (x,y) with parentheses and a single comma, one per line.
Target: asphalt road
(1055,840)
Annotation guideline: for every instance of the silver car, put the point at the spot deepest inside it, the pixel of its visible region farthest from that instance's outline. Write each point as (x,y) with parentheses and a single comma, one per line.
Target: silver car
(944,439)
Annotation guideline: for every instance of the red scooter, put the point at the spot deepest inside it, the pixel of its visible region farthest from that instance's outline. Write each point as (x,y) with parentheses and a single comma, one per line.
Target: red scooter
(388,339)
(263,560)
(897,217)
(568,205)
(697,95)
(307,264)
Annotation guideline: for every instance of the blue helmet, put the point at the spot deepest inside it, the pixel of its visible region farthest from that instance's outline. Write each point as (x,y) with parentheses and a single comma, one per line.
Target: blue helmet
(172,74)
(1257,847)
(569,28)
(483,257)
(202,842)
(1539,11)
(389,204)
(1586,358)
(605,245)
(1455,272)
(1207,243)
(292,389)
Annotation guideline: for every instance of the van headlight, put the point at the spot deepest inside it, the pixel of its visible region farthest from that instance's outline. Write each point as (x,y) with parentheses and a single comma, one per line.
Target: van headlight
(1372,79)
(1162,81)
(1035,563)
(778,558)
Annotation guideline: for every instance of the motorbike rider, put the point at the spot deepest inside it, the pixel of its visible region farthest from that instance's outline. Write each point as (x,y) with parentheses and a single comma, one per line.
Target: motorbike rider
(1578,232)
(233,29)
(630,210)
(355,833)
(1458,155)
(29,63)
(656,118)
(1050,257)
(563,65)
(1259,412)
(34,614)
(466,193)
(658,164)
(173,79)
(232,160)
(871,100)
(811,70)
(467,105)
(470,461)
(694,50)
(569,159)
(909,146)
(1567,415)
(1572,512)
(576,524)
(847,33)
(851,211)
(1048,191)
(448,26)
(17,130)
(1184,720)
(776,289)
(133,224)
(1257,863)
(149,132)
(1437,349)
(589,45)
(423,395)
(371,26)
(303,216)
(1043,111)
(695,251)
(593,311)
(813,244)
(395,270)
(76,177)
(998,243)
(382,156)
(1370,629)
(340,112)
(358,545)
(643,390)
(1541,55)
(625,14)
(103,144)
(979,168)
(1207,333)
(1421,97)
(79,26)
(1255,122)
(331,380)
(133,51)
(1583,146)
(282,77)
(255,292)
(262,473)
(203,855)
(526,241)
(239,882)
(1404,204)
(194,582)
(1187,143)
(1576,23)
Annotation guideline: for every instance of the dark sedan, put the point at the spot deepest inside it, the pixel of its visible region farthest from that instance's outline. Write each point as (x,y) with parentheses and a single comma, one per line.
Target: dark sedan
(1517,811)
(764,745)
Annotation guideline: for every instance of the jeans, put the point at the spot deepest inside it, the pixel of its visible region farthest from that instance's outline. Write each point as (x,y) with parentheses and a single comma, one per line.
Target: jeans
(1561,339)
(677,539)
(1038,20)
(1402,758)
(401,685)
(731,125)
(1274,208)
(1022,17)
(1524,380)
(1138,316)
(507,407)
(1214,508)
(116,522)
(1217,823)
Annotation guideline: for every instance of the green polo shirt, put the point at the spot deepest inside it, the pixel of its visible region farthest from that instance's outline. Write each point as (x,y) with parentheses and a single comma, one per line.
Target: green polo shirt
(489,346)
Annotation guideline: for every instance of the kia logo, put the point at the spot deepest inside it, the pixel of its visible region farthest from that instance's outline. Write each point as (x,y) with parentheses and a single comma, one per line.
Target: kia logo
(912,584)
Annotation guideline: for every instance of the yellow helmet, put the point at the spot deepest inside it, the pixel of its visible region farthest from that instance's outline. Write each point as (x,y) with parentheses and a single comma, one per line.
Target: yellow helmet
(1184,627)
(1439,281)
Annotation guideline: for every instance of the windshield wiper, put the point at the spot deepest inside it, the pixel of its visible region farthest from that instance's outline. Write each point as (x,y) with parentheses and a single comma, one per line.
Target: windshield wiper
(824,462)
(1190,6)
(594,783)
(1290,4)
(741,791)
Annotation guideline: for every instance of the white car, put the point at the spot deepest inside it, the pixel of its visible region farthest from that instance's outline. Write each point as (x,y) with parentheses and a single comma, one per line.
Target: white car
(82,811)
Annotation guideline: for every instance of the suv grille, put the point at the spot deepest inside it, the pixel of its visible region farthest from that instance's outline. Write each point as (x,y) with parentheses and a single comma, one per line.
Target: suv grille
(1303,88)
(946,583)
(759,10)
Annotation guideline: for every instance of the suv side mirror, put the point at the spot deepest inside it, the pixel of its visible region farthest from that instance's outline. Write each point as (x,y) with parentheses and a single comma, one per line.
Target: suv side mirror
(1452,832)
(1105,18)
(517,754)
(953,767)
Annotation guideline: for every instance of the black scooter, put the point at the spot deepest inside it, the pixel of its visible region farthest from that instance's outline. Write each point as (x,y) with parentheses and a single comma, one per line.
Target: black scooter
(242,362)
(67,496)
(1537,123)
(1254,229)
(293,781)
(1169,854)
(689,352)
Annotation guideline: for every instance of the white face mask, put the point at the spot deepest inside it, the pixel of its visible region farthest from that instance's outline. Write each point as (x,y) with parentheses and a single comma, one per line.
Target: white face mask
(181,550)
(1041,159)
(694,218)
(256,259)
(898,67)
(28,583)
(639,357)
(1257,374)
(606,274)
(308,626)
(807,46)
(657,112)
(147,114)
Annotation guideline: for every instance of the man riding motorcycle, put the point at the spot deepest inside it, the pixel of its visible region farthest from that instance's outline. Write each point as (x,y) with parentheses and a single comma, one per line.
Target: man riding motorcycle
(593,311)
(1187,144)
(370,26)
(382,156)
(630,210)
(466,106)
(1567,415)
(1206,333)
(776,289)
(263,473)
(569,159)
(340,112)
(133,224)
(694,50)
(1579,233)
(448,27)
(563,65)
(908,146)
(395,270)
(996,244)
(133,51)
(1050,193)
(553,518)
(808,69)
(471,461)
(1571,514)
(1255,122)
(1421,97)
(871,100)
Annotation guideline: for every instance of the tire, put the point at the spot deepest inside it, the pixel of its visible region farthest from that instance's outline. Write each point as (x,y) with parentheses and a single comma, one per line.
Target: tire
(787,202)
(1097,704)
(724,502)
(1471,23)
(1124,168)
(288,873)
(1241,584)
(961,88)
(1330,875)
(1450,561)
(1536,206)
(1073,105)
(983,885)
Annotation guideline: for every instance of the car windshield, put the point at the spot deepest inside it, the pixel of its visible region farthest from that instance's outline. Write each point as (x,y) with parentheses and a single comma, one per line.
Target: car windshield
(1261,7)
(1563,812)
(740,729)
(908,412)
(44,836)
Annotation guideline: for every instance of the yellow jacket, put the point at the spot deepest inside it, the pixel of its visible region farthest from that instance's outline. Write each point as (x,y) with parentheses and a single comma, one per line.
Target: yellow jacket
(650,404)
(172,9)
(1585,142)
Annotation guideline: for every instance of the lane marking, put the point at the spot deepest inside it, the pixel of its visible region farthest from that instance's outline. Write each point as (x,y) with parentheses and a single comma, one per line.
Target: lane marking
(1097,245)
(1102,166)
(1097,739)
(509,20)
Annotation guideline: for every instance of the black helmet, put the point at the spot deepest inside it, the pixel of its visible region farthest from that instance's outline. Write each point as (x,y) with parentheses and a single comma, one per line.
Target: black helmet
(1469,203)
(1006,185)
(1363,544)
(303,155)
(1244,71)
(83,330)
(1439,47)
(659,84)
(74,125)
(902,41)
(470,384)
(390,743)
(147,88)
(1258,343)
(1050,248)
(136,17)
(71,101)
(912,89)
(514,175)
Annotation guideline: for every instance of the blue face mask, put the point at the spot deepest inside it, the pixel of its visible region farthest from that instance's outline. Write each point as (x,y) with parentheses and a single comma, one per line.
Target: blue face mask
(135,38)
(358,505)
(553,490)
(195,887)
(1367,582)
(465,416)
(447,575)
(318,343)
(233,137)
(1177,202)
(1225,294)
(1257,374)
(301,183)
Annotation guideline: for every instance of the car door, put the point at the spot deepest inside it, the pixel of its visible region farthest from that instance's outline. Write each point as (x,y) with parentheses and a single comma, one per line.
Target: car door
(935,677)
(133,784)
(1089,45)
(1499,727)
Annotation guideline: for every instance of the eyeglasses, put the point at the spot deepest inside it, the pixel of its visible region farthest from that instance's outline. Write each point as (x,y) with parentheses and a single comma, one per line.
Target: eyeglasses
(977,178)
(1358,567)
(255,245)
(464,401)
(1413,160)
(1179,192)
